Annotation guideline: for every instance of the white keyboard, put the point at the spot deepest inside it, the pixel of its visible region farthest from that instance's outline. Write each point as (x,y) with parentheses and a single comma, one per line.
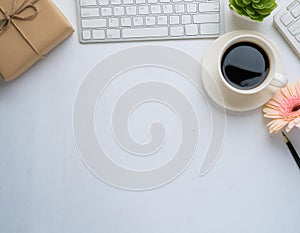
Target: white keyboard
(132,20)
(287,21)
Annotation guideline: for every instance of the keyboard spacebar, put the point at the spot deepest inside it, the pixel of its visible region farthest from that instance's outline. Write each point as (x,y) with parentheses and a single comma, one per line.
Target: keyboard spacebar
(145,32)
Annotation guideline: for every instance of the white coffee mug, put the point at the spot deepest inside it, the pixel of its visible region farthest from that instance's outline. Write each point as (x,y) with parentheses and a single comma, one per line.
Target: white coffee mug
(272,77)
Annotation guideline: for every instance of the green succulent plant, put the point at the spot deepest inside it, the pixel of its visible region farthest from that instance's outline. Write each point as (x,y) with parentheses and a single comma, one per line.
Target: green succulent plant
(255,9)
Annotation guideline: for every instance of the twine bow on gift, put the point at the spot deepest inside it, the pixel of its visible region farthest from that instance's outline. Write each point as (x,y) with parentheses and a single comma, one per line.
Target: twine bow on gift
(26,11)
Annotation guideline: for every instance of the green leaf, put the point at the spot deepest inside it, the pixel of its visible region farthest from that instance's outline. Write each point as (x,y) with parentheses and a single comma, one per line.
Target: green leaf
(250,10)
(263,11)
(240,3)
(269,4)
(258,6)
(247,2)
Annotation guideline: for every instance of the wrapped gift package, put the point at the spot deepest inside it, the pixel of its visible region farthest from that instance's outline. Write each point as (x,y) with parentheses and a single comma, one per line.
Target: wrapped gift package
(29,30)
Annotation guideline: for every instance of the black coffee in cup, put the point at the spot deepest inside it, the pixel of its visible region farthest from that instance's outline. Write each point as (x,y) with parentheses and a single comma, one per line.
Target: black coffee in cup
(245,65)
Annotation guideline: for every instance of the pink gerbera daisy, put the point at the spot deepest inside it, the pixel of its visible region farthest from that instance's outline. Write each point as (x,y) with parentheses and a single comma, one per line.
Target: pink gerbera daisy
(284,108)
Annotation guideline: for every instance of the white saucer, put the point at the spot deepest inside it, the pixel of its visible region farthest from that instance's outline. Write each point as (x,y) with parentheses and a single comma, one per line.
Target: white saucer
(231,100)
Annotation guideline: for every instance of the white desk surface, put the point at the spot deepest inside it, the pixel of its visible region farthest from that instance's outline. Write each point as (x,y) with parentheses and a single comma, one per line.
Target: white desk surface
(45,187)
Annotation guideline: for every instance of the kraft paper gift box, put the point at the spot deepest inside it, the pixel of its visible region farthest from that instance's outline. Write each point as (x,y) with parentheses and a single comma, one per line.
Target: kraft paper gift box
(29,29)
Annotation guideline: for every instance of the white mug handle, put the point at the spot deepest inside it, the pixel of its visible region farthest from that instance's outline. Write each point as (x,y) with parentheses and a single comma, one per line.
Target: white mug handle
(279,80)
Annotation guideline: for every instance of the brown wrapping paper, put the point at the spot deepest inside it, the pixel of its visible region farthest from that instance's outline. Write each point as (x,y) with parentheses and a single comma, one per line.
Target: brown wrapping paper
(25,41)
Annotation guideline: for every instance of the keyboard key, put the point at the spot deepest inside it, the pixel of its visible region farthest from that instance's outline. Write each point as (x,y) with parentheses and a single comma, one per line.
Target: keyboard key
(191,7)
(119,11)
(86,34)
(145,32)
(186,19)
(98,34)
(113,33)
(128,1)
(140,1)
(292,5)
(298,38)
(115,2)
(296,11)
(103,2)
(165,1)
(138,21)
(113,22)
(206,18)
(177,31)
(287,19)
(126,22)
(191,29)
(174,19)
(88,2)
(89,12)
(209,6)
(155,9)
(152,1)
(106,11)
(295,28)
(131,10)
(143,10)
(167,9)
(210,28)
(150,21)
(162,20)
(179,8)
(93,23)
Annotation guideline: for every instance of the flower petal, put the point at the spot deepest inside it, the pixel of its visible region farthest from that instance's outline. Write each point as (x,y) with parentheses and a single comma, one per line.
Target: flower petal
(272,116)
(278,97)
(297,86)
(270,111)
(291,89)
(279,126)
(273,102)
(284,91)
(276,125)
(291,125)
